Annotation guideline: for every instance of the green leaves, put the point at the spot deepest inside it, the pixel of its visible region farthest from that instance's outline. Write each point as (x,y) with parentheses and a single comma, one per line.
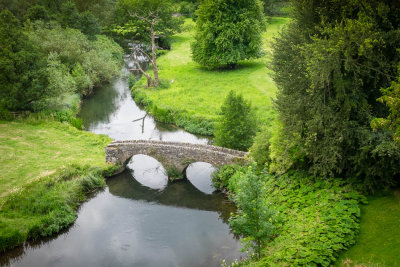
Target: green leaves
(330,65)
(227,32)
(254,219)
(236,126)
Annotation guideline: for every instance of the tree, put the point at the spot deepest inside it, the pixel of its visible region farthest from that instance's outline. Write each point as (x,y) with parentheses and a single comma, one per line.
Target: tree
(391,97)
(151,19)
(254,219)
(23,77)
(236,126)
(228,31)
(329,66)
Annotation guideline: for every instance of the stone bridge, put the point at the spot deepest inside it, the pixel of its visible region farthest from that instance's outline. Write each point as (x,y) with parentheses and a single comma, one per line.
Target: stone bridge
(172,154)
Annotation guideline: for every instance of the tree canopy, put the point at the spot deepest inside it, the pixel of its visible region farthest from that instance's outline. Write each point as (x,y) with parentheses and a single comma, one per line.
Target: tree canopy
(227,31)
(330,65)
(236,126)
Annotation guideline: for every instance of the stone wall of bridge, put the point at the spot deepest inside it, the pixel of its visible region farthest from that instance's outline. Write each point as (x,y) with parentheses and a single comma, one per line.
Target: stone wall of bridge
(172,154)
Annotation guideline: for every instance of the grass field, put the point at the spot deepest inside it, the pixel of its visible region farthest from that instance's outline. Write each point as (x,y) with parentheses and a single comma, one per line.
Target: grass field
(30,151)
(47,169)
(200,92)
(378,244)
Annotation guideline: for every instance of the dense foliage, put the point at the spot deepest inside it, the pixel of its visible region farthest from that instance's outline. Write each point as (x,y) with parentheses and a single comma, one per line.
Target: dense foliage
(227,31)
(236,126)
(390,97)
(254,219)
(314,219)
(41,62)
(330,65)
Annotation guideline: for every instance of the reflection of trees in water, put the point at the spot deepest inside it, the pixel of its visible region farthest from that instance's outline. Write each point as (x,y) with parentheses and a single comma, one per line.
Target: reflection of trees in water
(16,254)
(177,194)
(98,107)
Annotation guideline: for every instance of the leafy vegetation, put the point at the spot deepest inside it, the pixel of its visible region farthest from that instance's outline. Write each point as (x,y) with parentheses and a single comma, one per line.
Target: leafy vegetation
(314,219)
(338,54)
(236,126)
(227,32)
(254,219)
(41,61)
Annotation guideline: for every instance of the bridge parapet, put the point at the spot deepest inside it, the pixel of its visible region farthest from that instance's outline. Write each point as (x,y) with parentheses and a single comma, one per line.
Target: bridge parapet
(172,154)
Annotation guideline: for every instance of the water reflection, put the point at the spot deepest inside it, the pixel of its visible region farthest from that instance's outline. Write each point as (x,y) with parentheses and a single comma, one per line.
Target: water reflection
(148,171)
(199,174)
(133,225)
(177,194)
(112,111)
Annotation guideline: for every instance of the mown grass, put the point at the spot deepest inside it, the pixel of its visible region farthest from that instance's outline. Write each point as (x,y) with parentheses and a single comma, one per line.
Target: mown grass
(198,92)
(31,150)
(47,169)
(379,241)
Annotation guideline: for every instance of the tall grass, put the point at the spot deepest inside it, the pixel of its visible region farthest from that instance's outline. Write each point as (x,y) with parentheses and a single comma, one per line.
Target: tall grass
(46,206)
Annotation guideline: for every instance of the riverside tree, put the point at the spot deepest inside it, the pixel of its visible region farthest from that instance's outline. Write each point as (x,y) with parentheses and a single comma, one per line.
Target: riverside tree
(236,126)
(228,31)
(329,65)
(254,220)
(150,20)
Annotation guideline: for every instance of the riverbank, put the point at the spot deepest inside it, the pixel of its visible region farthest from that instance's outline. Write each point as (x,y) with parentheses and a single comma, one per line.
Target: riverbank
(47,169)
(191,96)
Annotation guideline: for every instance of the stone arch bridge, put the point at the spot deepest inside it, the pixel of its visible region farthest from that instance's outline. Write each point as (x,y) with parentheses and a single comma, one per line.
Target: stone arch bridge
(172,154)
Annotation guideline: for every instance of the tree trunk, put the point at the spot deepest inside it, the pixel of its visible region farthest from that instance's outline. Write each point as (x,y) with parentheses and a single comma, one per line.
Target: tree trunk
(154,54)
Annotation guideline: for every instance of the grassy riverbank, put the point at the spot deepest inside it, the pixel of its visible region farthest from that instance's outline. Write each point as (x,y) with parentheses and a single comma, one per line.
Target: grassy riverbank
(46,170)
(379,240)
(192,95)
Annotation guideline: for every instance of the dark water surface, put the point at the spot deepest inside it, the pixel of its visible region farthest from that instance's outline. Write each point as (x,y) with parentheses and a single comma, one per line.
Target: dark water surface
(140,219)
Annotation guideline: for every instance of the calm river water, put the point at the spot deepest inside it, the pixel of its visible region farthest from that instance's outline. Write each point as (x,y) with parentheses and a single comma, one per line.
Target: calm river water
(139,219)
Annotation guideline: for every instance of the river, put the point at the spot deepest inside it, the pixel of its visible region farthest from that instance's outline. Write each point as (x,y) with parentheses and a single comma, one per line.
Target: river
(139,219)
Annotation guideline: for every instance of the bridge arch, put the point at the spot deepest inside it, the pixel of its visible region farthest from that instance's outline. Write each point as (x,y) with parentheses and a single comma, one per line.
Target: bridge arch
(171,154)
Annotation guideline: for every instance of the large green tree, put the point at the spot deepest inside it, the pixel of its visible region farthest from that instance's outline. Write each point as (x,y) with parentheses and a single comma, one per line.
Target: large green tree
(228,31)
(330,65)
(23,77)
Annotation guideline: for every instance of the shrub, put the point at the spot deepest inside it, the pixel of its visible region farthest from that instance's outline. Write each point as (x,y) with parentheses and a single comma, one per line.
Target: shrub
(220,178)
(236,125)
(260,151)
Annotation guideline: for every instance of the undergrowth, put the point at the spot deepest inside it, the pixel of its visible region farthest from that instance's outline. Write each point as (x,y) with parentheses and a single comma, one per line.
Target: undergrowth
(319,218)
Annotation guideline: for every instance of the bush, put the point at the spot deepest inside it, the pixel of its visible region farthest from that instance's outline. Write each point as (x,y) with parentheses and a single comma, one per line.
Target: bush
(236,126)
(260,151)
(220,178)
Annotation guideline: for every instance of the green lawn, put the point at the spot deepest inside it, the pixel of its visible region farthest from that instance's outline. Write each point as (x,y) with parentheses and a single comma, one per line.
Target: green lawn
(47,169)
(201,92)
(379,241)
(29,151)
